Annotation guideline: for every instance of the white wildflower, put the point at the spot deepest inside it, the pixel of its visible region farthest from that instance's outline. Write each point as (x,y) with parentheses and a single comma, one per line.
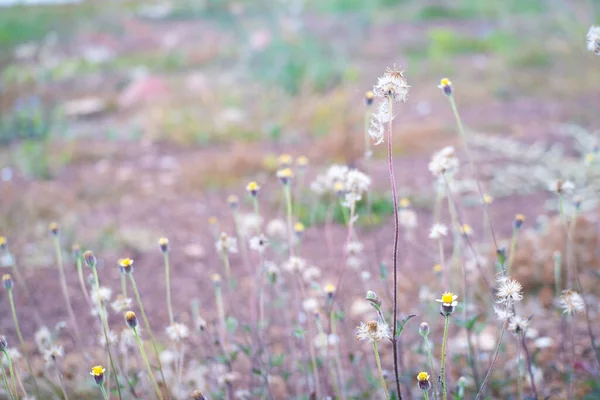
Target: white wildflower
(295,264)
(437,231)
(354,247)
(277,228)
(311,273)
(571,302)
(365,275)
(259,243)
(43,339)
(101,295)
(443,161)
(177,332)
(561,186)
(593,39)
(373,331)
(392,85)
(518,324)
(509,291)
(310,305)
(226,244)
(407,218)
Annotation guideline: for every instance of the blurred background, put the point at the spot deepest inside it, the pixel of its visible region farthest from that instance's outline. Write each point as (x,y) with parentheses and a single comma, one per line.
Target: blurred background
(128,120)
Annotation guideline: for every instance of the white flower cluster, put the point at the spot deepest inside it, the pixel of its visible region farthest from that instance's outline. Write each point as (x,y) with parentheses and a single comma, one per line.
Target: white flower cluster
(339,179)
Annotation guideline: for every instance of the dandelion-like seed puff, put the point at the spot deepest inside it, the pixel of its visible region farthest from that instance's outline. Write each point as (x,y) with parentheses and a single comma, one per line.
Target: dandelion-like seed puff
(593,39)
(509,291)
(373,331)
(392,85)
(571,302)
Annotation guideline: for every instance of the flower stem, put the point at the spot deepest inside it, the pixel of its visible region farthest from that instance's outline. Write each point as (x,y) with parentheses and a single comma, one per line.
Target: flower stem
(444,344)
(426,395)
(20,336)
(430,358)
(123,286)
(529,367)
(103,392)
(288,202)
(491,368)
(104,321)
(168,283)
(519,377)
(82,284)
(513,248)
(147,325)
(5,381)
(12,372)
(145,358)
(383,385)
(395,256)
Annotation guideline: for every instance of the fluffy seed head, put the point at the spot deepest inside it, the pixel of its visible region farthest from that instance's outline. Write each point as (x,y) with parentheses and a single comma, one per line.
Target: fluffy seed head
(593,39)
(509,291)
(7,281)
(561,186)
(392,85)
(518,324)
(373,331)
(571,302)
(131,319)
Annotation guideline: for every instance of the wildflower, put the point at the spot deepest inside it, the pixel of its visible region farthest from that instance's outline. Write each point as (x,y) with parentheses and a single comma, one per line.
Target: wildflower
(404,202)
(7,281)
(163,243)
(509,291)
(354,248)
(43,338)
(54,228)
(392,85)
(373,331)
(503,314)
(466,230)
(437,231)
(89,258)
(259,243)
(285,175)
(487,199)
(561,186)
(98,374)
(76,251)
(178,332)
(424,329)
(446,86)
(216,279)
(369,97)
(131,319)
(3,343)
(407,218)
(518,324)
(518,221)
(3,244)
(121,303)
(277,228)
(443,161)
(233,201)
(299,228)
(197,395)
(212,220)
(330,290)
(53,353)
(571,302)
(252,188)
(101,295)
(302,162)
(295,264)
(310,305)
(449,303)
(126,265)
(593,39)
(285,160)
(423,381)
(311,273)
(226,244)
(437,268)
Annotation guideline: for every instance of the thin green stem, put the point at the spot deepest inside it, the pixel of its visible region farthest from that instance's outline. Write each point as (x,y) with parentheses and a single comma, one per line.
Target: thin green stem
(513,248)
(103,392)
(430,358)
(123,286)
(82,284)
(492,364)
(220,311)
(168,283)
(519,369)
(5,380)
(145,358)
(443,371)
(12,372)
(104,321)
(383,385)
(288,203)
(21,341)
(147,325)
(426,395)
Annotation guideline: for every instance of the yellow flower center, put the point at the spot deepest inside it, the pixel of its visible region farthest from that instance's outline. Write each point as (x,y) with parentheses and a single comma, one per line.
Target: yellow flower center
(448,297)
(2,240)
(6,277)
(445,82)
(370,95)
(423,376)
(125,262)
(329,288)
(302,161)
(299,227)
(98,370)
(372,326)
(163,241)
(212,220)
(284,159)
(520,217)
(285,173)
(404,202)
(437,268)
(252,186)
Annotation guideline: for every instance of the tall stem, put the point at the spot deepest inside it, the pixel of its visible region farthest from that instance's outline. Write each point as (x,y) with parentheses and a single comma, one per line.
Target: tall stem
(288,203)
(430,358)
(443,368)
(104,321)
(147,325)
(82,284)
(20,336)
(529,367)
(12,372)
(519,368)
(104,395)
(513,248)
(492,364)
(145,358)
(395,256)
(168,283)
(383,385)
(5,381)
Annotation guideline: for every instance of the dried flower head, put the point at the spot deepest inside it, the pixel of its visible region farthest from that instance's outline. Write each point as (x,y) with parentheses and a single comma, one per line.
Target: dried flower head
(285,175)
(518,324)
(89,258)
(126,265)
(226,244)
(423,381)
(177,332)
(54,228)
(446,86)
(509,291)
(7,282)
(98,374)
(121,303)
(571,302)
(561,186)
(252,188)
(438,231)
(373,331)
(53,353)
(392,85)
(443,161)
(503,314)
(197,395)
(284,160)
(163,243)
(449,303)
(593,39)
(369,97)
(131,319)
(259,243)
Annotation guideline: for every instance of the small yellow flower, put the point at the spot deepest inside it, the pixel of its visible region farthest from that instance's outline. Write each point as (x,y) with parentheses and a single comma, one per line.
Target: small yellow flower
(449,303)
(216,278)
(369,97)
(285,175)
(446,86)
(590,158)
(285,160)
(299,227)
(98,370)
(163,242)
(329,289)
(252,188)
(423,381)
(126,265)
(466,229)
(2,241)
(302,162)
(212,220)
(487,199)
(437,268)
(54,228)
(338,188)
(404,202)
(233,201)
(423,376)
(131,319)
(7,281)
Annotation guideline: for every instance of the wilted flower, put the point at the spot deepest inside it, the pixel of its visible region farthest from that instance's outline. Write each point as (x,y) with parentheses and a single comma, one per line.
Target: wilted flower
(518,324)
(437,231)
(226,244)
(443,161)
(593,39)
(509,291)
(392,85)
(571,302)
(373,331)
(177,332)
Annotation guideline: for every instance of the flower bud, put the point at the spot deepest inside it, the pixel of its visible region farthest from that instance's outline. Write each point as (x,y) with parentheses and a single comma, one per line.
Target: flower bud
(90,259)
(424,329)
(163,242)
(131,319)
